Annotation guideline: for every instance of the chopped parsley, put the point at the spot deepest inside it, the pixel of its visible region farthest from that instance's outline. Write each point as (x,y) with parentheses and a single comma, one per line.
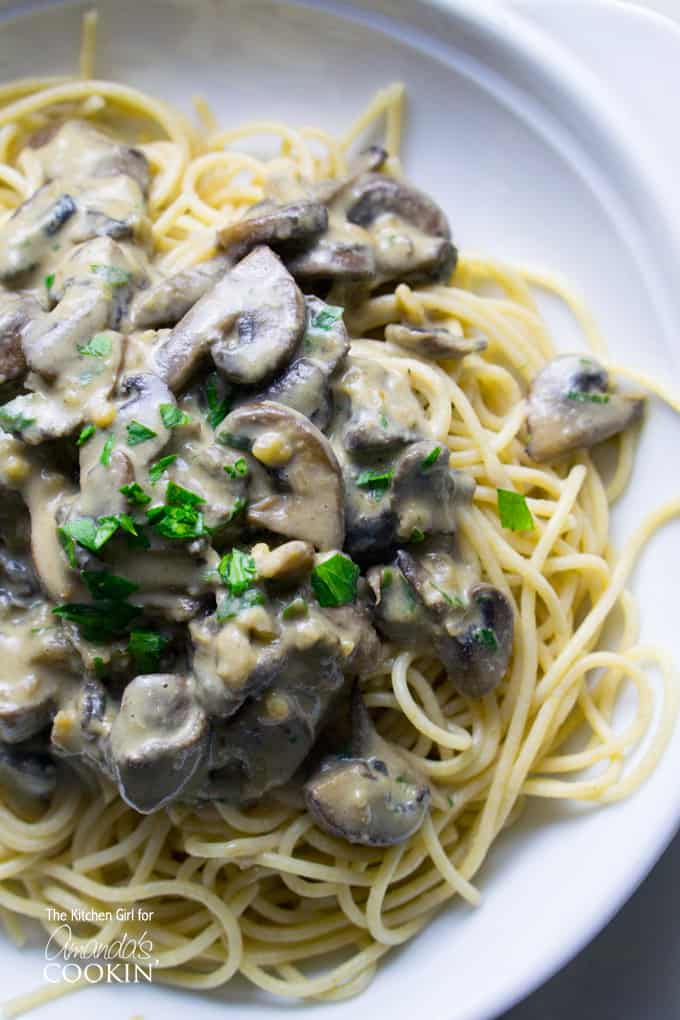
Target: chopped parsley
(102,584)
(417,535)
(107,450)
(86,433)
(177,522)
(14,421)
(513,511)
(177,495)
(585,397)
(146,648)
(295,609)
(239,469)
(100,670)
(135,494)
(218,404)
(99,621)
(486,637)
(377,481)
(173,416)
(386,578)
(229,606)
(157,469)
(49,281)
(113,275)
(432,458)
(138,433)
(98,347)
(327,317)
(237,570)
(92,533)
(334,581)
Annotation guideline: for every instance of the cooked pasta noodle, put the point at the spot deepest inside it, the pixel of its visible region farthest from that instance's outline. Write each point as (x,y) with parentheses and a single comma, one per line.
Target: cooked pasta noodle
(261,891)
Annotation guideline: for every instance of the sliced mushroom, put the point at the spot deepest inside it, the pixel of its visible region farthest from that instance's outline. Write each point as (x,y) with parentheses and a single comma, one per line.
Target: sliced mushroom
(301,495)
(123,453)
(36,664)
(304,385)
(30,231)
(262,746)
(164,303)
(429,602)
(16,311)
(251,322)
(572,407)
(410,233)
(159,739)
(422,497)
(433,341)
(426,492)
(376,409)
(77,148)
(366,161)
(334,258)
(32,773)
(375,194)
(374,796)
(19,584)
(280,227)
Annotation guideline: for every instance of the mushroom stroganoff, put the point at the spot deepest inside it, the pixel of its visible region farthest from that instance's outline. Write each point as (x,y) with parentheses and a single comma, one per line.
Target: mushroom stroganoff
(304,554)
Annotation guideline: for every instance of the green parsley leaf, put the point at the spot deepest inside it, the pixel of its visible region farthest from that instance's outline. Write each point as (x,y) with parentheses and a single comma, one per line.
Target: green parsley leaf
(86,433)
(14,422)
(99,621)
(98,347)
(176,495)
(237,570)
(230,605)
(157,469)
(107,450)
(584,397)
(102,584)
(327,317)
(49,281)
(295,609)
(486,637)
(173,417)
(386,578)
(177,522)
(69,546)
(334,581)
(135,493)
(138,433)
(146,648)
(377,481)
(417,535)
(113,275)
(513,511)
(432,458)
(218,406)
(239,469)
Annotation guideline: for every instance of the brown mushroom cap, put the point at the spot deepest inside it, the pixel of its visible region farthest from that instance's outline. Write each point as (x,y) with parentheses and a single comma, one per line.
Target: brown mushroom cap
(572,407)
(372,797)
(433,341)
(302,493)
(251,322)
(158,740)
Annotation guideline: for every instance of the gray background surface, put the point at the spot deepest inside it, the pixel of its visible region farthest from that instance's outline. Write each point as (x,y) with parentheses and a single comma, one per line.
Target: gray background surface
(630,971)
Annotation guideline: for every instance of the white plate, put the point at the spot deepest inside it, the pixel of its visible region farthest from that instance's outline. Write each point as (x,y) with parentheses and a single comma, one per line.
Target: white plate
(533,161)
